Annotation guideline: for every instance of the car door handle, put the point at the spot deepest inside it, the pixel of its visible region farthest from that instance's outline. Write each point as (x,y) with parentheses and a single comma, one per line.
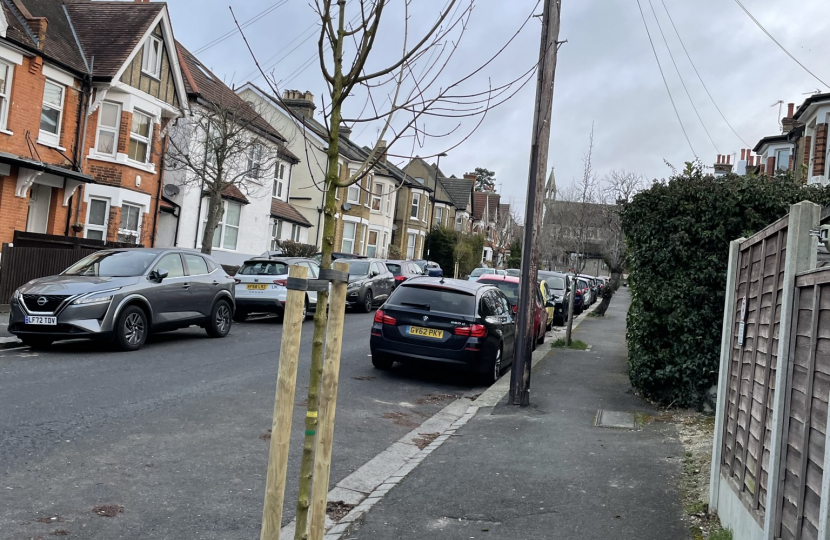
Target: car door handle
(185,285)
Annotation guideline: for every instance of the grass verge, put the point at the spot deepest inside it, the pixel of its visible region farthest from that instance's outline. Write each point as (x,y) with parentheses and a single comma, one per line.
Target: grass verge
(575,344)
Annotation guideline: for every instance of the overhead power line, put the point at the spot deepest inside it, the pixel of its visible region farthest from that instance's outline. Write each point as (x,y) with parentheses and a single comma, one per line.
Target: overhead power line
(660,67)
(699,77)
(683,82)
(759,25)
(245,24)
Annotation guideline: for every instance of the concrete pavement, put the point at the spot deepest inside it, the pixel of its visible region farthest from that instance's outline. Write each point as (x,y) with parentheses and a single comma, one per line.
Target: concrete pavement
(547,471)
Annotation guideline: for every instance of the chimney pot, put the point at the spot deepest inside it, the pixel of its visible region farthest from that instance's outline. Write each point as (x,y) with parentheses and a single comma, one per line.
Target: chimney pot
(743,154)
(728,159)
(300,103)
(790,110)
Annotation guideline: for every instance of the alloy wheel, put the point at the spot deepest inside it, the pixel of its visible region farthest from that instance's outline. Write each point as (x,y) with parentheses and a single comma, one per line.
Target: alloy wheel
(497,366)
(134,328)
(223,318)
(369,301)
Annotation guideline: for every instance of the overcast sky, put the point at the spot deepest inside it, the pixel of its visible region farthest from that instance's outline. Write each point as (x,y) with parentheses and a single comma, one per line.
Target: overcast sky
(606,75)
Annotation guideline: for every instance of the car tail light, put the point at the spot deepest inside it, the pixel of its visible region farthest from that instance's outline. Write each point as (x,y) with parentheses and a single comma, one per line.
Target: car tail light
(280,282)
(476,330)
(400,278)
(515,309)
(383,318)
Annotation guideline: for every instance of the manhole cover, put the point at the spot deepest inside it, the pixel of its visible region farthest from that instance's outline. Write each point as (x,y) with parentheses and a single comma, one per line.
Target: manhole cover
(615,419)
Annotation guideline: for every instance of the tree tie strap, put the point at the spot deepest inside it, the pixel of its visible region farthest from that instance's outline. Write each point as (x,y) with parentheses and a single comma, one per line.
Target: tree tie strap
(296,284)
(318,285)
(328,274)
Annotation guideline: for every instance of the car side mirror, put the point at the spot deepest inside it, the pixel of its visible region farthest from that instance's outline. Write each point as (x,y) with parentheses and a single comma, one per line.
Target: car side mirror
(372,274)
(159,275)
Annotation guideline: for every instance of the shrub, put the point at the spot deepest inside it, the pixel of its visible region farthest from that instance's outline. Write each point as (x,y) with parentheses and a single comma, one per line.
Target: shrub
(290,248)
(442,242)
(678,235)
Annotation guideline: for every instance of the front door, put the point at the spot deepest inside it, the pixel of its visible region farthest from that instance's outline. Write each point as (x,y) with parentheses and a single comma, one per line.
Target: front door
(39,198)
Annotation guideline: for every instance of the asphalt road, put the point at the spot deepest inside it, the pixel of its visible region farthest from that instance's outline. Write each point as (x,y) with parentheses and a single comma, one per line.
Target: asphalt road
(172,433)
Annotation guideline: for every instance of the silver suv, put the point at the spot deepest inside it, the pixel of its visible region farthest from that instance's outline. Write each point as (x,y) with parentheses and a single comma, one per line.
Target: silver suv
(123,295)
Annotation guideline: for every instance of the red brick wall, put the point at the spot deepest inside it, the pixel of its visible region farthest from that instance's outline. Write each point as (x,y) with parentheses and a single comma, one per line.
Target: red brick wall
(820,153)
(13,210)
(808,145)
(770,166)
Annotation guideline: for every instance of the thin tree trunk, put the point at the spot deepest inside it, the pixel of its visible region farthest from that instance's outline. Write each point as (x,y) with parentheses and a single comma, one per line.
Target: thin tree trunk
(214,214)
(321,315)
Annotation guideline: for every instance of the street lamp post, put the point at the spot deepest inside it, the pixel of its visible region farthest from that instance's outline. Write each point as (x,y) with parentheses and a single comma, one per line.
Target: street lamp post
(432,201)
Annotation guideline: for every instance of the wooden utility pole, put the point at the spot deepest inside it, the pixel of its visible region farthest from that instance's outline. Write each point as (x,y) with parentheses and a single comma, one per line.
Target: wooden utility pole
(283,408)
(540,139)
(328,403)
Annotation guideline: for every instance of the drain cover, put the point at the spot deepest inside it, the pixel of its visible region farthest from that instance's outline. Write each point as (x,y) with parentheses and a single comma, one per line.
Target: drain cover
(615,419)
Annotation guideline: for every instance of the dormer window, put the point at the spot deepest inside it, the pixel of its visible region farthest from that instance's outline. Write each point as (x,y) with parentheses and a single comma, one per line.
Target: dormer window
(151,60)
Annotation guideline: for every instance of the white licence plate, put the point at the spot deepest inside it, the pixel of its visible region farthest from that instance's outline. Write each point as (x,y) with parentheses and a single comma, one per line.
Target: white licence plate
(33,319)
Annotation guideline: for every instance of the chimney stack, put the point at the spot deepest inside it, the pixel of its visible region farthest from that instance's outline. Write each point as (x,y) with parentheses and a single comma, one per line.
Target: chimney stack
(728,159)
(382,149)
(743,154)
(470,176)
(345,131)
(300,103)
(788,123)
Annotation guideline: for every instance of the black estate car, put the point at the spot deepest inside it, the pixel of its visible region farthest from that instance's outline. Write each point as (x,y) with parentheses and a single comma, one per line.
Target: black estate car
(461,323)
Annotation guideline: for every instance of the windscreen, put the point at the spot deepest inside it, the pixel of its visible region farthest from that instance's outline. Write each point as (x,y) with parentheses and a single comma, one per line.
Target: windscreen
(434,299)
(358,268)
(556,282)
(481,271)
(264,268)
(113,264)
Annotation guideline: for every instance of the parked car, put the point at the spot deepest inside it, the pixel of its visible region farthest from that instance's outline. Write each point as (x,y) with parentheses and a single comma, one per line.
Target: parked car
(585,289)
(430,268)
(515,272)
(336,256)
(560,286)
(260,286)
(370,283)
(403,270)
(509,285)
(478,272)
(448,321)
(593,284)
(123,295)
(554,305)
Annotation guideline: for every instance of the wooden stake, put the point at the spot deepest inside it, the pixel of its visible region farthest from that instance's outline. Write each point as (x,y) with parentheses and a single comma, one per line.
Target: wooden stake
(328,404)
(283,409)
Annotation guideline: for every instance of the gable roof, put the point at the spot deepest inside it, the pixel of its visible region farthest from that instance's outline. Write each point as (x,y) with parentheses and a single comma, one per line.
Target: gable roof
(201,83)
(109,31)
(459,190)
(282,210)
(17,30)
(481,199)
(815,98)
(59,45)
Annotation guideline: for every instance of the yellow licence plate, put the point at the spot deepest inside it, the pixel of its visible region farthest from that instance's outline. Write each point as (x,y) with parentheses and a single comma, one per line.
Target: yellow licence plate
(256,287)
(425,332)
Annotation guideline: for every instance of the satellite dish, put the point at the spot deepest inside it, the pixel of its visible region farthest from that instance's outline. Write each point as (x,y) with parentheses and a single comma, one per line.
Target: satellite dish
(394,227)
(171,190)
(347,207)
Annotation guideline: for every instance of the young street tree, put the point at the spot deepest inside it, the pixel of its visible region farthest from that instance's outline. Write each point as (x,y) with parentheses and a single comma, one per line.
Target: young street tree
(397,98)
(620,187)
(485,179)
(224,148)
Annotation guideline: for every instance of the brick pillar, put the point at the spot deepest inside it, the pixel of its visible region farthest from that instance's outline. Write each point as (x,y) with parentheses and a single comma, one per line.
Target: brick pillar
(770,166)
(808,144)
(820,153)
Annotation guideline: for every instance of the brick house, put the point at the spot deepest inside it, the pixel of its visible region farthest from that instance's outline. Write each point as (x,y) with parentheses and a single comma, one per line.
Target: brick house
(460,192)
(443,209)
(87,92)
(809,136)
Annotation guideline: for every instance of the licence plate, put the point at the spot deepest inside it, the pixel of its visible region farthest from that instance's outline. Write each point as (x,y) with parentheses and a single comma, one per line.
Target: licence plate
(31,319)
(425,332)
(256,287)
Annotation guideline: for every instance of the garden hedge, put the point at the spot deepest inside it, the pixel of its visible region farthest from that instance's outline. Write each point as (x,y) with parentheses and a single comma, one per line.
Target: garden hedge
(678,235)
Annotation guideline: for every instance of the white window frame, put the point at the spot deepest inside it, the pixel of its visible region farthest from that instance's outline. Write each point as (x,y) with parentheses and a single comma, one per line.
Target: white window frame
(146,57)
(369,181)
(370,245)
(279,180)
(141,138)
(459,220)
(101,228)
(220,227)
(416,205)
(778,160)
(128,232)
(377,197)
(411,241)
(295,232)
(348,239)
(353,197)
(4,95)
(254,161)
(426,210)
(276,233)
(108,129)
(385,245)
(439,215)
(46,136)
(388,196)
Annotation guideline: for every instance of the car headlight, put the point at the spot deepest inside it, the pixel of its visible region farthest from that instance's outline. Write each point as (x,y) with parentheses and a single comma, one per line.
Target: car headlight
(16,295)
(98,297)
(354,285)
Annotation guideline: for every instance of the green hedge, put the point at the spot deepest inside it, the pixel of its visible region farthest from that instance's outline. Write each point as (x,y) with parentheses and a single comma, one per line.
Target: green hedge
(678,235)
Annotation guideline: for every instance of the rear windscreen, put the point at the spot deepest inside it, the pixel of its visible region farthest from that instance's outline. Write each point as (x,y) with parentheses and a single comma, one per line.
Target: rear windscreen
(394,268)
(510,290)
(434,299)
(264,268)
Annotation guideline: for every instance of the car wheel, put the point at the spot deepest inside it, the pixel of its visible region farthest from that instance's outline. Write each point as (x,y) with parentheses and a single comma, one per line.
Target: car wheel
(219,323)
(368,302)
(541,339)
(381,361)
(305,310)
(495,367)
(240,316)
(37,342)
(131,329)
(549,326)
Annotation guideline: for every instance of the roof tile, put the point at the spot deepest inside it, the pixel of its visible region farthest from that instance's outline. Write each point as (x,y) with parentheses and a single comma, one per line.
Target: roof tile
(283,210)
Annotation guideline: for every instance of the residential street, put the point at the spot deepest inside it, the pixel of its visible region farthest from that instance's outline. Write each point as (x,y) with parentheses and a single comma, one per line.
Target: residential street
(173,432)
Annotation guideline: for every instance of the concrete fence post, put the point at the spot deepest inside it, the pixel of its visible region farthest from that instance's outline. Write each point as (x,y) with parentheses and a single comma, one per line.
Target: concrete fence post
(801,256)
(723,373)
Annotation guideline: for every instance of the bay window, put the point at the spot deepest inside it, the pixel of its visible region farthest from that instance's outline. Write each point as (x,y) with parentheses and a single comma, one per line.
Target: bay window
(141,133)
(109,120)
(372,245)
(130,223)
(377,197)
(410,246)
(349,232)
(416,206)
(227,230)
(439,216)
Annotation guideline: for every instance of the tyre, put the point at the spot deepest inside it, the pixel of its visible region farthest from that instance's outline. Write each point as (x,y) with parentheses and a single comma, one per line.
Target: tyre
(494,363)
(541,339)
(381,361)
(549,326)
(219,322)
(240,315)
(368,302)
(131,329)
(305,310)
(37,342)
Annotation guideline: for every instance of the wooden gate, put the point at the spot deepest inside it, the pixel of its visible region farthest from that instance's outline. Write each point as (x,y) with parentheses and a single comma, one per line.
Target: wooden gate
(805,412)
(752,365)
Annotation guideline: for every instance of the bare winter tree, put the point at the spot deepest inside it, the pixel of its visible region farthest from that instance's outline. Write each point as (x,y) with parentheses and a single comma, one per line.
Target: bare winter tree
(504,232)
(619,188)
(217,148)
(398,97)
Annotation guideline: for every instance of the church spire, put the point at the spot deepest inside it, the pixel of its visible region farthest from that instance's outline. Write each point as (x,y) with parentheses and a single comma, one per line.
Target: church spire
(550,187)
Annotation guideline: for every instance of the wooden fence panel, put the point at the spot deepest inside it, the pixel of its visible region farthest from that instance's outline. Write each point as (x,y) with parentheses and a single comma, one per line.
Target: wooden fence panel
(752,366)
(22,264)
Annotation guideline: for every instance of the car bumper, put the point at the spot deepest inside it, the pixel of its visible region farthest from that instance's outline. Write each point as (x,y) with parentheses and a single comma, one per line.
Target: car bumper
(410,353)
(260,305)
(90,321)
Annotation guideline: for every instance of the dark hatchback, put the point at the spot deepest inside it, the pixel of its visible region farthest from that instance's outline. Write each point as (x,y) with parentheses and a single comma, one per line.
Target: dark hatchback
(403,270)
(434,320)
